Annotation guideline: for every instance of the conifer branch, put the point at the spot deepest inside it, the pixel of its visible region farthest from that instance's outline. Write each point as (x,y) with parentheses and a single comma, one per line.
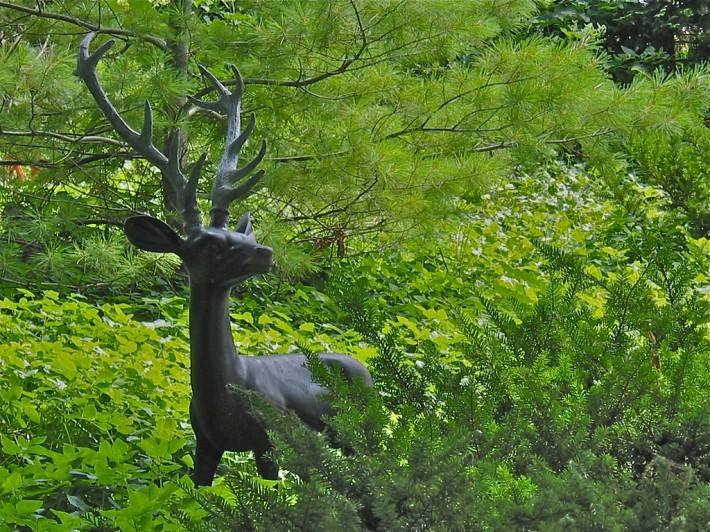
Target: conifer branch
(157,41)
(61,136)
(301,82)
(307,157)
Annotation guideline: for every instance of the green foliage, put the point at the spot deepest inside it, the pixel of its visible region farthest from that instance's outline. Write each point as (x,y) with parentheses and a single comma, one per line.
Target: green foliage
(679,164)
(94,406)
(515,246)
(59,246)
(543,367)
(91,413)
(640,36)
(380,116)
(571,390)
(560,420)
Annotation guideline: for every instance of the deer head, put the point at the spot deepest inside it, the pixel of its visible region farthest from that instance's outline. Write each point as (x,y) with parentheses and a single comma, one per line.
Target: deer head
(215,254)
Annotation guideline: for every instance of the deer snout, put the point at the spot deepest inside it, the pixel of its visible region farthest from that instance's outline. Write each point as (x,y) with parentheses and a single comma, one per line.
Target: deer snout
(263,255)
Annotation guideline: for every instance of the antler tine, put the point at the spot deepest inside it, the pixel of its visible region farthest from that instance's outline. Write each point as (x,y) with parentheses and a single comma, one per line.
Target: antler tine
(224,190)
(224,93)
(248,168)
(191,213)
(244,188)
(141,142)
(186,189)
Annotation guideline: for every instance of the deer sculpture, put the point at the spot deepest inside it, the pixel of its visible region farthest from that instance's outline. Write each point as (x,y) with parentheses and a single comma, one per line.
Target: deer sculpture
(217,258)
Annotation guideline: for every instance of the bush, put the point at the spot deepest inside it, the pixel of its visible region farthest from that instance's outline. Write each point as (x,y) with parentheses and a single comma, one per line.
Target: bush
(92,412)
(679,164)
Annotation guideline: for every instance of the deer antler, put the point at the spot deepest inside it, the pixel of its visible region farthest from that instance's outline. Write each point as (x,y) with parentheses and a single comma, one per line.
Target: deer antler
(142,142)
(226,188)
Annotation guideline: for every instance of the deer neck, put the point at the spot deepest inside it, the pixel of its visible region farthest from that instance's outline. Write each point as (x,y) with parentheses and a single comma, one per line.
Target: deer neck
(214,359)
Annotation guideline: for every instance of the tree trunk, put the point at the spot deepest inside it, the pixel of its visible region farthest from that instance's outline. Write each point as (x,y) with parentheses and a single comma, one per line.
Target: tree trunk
(180,51)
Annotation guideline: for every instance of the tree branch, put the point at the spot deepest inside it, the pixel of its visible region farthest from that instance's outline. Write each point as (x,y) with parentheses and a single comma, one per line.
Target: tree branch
(444,130)
(299,158)
(157,41)
(300,83)
(594,134)
(61,136)
(69,163)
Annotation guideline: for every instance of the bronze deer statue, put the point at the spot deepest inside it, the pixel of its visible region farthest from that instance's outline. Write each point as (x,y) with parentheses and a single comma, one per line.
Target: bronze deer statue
(217,258)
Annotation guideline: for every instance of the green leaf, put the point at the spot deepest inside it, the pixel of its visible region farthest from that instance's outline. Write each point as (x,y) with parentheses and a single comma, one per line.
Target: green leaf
(244,316)
(78,502)
(28,506)
(9,446)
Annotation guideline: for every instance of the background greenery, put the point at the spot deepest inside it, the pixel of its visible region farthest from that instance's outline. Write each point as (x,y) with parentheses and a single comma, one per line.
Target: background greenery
(486,203)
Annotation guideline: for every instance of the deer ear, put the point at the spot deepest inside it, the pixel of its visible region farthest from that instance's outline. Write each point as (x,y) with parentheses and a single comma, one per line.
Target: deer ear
(150,234)
(244,224)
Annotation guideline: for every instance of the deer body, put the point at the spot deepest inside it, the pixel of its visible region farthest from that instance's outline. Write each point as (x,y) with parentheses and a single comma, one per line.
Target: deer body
(218,418)
(217,258)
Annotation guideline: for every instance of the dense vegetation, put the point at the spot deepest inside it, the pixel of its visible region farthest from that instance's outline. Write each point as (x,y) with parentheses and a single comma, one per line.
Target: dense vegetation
(639,36)
(517,246)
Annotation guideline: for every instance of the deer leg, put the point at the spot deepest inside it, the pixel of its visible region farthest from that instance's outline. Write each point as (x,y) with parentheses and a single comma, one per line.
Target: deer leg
(266,467)
(206,460)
